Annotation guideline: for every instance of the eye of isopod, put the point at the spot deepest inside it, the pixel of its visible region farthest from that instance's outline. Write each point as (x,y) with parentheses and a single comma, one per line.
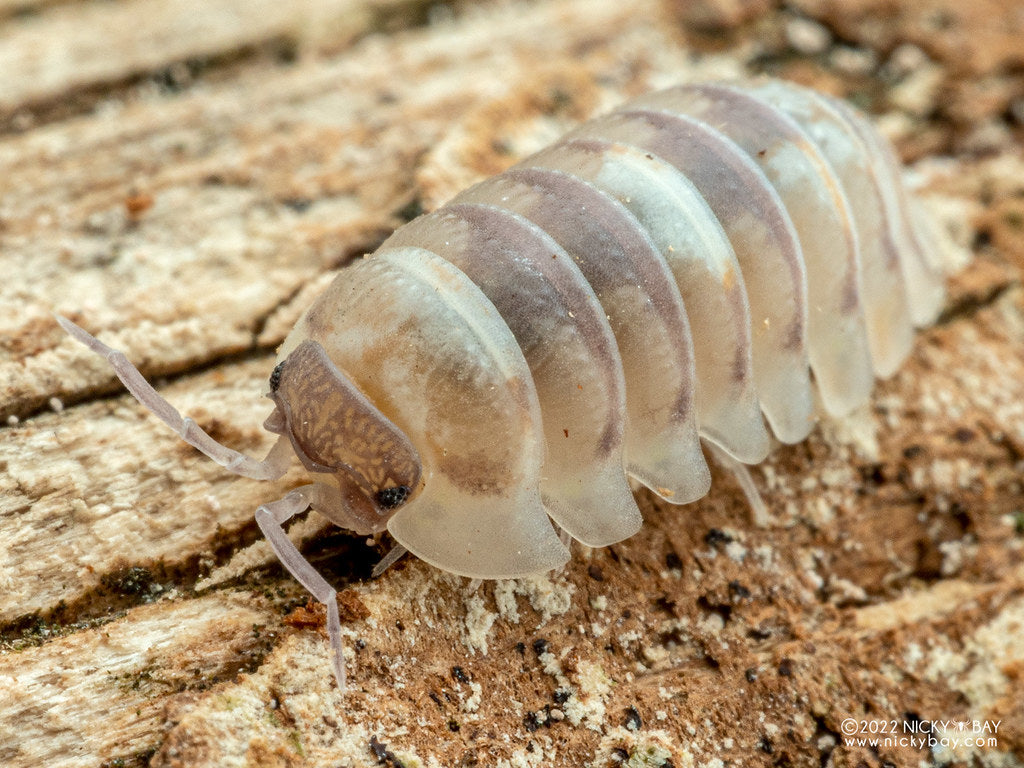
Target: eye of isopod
(275,376)
(395,496)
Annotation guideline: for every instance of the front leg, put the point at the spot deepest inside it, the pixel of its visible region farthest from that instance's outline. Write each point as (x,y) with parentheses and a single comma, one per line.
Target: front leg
(270,517)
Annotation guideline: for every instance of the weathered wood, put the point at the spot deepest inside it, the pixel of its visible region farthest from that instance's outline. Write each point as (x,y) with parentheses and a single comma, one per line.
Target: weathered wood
(74,47)
(190,228)
(102,692)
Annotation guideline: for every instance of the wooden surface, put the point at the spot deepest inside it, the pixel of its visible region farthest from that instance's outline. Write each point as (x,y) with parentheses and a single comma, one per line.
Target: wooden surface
(182,178)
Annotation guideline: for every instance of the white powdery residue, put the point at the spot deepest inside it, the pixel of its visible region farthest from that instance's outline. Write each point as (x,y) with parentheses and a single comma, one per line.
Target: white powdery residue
(765,555)
(913,655)
(891,407)
(676,626)
(826,743)
(993,648)
(943,663)
(546,596)
(948,475)
(550,665)
(523,759)
(967,474)
(953,555)
(477,625)
(790,514)
(647,749)
(845,591)
(905,60)
(655,654)
(852,61)
(408,759)
(587,703)
(631,636)
(809,564)
(712,624)
(599,602)
(505,599)
(820,512)
(549,598)
(472,703)
(837,477)
(807,36)
(929,403)
(736,551)
(857,431)
(918,91)
(813,579)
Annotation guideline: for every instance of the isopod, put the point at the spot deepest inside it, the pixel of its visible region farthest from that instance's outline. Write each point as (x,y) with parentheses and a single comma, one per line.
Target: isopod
(700,265)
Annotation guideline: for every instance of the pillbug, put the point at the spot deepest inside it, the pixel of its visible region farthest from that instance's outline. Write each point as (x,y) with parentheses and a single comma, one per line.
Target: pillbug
(686,271)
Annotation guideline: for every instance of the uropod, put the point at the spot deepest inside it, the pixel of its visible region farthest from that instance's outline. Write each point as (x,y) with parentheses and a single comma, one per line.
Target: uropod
(704,267)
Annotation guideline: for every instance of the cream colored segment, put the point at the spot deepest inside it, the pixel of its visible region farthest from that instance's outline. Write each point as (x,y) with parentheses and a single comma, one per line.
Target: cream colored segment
(838,341)
(762,238)
(433,354)
(704,266)
(499,537)
(937,244)
(890,329)
(839,350)
(821,214)
(925,286)
(634,285)
(565,338)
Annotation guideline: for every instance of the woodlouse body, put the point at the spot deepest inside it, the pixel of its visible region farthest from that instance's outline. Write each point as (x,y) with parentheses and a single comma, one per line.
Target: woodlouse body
(663,275)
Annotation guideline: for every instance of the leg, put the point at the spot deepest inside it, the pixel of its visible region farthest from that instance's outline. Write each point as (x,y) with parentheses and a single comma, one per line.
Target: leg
(567,540)
(270,517)
(739,470)
(271,468)
(565,537)
(388,560)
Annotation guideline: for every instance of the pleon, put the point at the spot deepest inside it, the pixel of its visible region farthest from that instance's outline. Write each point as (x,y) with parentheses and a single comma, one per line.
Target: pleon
(886,309)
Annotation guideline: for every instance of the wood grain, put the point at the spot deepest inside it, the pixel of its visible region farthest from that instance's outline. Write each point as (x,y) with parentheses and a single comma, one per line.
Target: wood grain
(142,622)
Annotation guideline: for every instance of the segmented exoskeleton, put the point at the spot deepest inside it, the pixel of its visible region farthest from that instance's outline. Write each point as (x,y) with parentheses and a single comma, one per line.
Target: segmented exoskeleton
(678,272)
